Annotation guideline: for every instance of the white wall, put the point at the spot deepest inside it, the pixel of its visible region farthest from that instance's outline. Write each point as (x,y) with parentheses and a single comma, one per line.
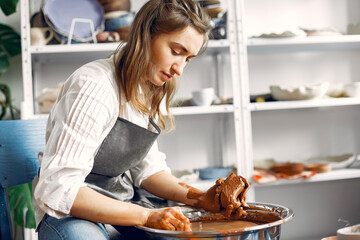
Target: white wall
(13,77)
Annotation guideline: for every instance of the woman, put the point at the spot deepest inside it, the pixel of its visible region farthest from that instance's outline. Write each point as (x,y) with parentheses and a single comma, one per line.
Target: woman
(102,125)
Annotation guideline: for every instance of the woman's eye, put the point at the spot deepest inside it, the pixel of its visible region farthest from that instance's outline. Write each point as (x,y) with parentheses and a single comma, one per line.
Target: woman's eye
(175,52)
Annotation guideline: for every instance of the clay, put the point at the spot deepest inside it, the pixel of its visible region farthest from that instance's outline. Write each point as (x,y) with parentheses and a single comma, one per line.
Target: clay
(217,222)
(232,193)
(227,202)
(289,169)
(226,196)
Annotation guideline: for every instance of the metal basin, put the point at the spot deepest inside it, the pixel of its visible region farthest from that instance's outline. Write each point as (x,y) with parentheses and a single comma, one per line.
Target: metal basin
(266,231)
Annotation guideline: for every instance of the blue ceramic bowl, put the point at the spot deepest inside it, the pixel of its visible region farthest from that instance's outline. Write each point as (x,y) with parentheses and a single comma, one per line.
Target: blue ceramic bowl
(214,172)
(111,24)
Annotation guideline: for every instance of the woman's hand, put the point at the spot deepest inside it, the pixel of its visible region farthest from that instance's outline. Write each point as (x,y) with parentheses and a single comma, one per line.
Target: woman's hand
(168,219)
(208,200)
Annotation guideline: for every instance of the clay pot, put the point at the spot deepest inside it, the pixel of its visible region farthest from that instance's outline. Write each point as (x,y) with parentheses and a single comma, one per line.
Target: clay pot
(37,20)
(123,32)
(213,12)
(115,5)
(288,168)
(108,37)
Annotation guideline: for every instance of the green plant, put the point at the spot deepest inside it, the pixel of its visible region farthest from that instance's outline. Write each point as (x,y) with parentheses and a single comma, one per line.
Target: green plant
(8,6)
(10,45)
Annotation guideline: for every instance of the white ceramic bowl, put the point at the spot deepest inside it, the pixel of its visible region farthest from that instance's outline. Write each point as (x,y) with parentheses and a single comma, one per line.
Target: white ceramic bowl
(336,162)
(335,89)
(299,93)
(352,89)
(349,233)
(203,97)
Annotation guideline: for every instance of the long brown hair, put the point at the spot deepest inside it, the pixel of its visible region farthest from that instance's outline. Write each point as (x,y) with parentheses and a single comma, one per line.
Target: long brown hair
(133,59)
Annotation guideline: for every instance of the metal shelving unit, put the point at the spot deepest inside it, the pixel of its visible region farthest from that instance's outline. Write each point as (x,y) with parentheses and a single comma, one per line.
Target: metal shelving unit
(280,128)
(267,46)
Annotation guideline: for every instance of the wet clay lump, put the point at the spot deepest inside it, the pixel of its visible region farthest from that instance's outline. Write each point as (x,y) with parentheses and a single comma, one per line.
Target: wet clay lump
(226,196)
(227,200)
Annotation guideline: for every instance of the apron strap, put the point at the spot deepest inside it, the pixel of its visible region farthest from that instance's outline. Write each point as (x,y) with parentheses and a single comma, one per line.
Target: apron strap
(154,125)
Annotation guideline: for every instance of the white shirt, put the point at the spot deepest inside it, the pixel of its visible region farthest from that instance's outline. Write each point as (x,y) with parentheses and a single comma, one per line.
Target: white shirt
(83,115)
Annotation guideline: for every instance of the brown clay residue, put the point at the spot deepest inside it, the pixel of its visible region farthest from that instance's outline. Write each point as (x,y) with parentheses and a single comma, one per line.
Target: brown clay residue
(222,226)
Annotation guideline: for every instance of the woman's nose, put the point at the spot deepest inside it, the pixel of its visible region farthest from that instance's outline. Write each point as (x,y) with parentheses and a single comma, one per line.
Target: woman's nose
(178,68)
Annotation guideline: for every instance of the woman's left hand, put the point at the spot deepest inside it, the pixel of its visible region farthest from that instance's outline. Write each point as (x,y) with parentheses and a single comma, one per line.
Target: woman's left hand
(168,219)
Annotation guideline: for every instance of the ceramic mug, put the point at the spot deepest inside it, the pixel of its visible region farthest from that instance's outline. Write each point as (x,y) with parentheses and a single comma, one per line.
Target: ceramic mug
(352,89)
(203,97)
(41,36)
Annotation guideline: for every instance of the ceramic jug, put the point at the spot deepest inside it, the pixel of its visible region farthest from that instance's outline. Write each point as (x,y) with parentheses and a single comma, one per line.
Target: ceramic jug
(41,36)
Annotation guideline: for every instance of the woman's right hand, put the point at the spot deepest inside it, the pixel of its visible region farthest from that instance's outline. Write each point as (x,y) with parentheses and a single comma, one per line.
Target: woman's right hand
(168,219)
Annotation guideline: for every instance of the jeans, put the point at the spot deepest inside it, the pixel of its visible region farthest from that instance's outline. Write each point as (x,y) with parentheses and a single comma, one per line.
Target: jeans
(70,227)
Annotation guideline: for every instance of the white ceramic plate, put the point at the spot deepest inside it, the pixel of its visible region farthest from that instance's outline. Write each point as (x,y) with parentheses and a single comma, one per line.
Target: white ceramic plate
(59,15)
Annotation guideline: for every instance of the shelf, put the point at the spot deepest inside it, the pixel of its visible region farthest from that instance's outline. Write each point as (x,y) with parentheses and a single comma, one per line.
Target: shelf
(89,51)
(314,43)
(203,185)
(313,103)
(73,48)
(194,110)
(178,111)
(338,174)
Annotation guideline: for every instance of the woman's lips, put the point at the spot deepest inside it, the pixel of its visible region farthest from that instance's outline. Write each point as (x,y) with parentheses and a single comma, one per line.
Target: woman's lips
(166,77)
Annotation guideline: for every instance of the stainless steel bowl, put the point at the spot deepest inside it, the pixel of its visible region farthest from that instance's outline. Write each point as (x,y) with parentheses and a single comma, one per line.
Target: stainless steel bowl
(267,231)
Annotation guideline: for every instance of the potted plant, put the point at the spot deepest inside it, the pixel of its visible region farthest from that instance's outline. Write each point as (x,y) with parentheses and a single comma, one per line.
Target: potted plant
(20,197)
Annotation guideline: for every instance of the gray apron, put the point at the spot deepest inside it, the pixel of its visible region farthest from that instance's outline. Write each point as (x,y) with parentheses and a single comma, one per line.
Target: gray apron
(124,147)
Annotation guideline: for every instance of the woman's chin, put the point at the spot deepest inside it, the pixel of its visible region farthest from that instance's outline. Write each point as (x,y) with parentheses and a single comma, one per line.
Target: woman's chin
(158,83)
